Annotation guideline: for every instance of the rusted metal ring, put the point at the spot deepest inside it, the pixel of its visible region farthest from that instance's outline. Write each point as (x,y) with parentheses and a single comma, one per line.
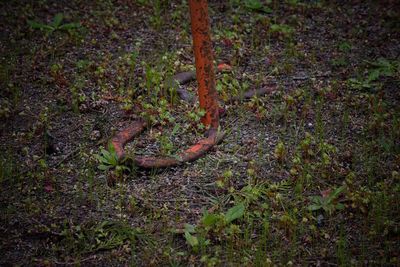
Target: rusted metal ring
(138,126)
(196,151)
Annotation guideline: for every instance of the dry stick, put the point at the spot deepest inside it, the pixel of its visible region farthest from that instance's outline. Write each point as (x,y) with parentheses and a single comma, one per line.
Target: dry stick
(160,200)
(43,225)
(55,164)
(65,158)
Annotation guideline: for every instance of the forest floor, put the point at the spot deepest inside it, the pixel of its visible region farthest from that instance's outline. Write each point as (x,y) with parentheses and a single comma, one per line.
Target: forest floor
(308,174)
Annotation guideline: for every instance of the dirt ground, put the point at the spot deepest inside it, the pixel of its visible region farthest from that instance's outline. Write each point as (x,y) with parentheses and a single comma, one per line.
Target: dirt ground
(306,175)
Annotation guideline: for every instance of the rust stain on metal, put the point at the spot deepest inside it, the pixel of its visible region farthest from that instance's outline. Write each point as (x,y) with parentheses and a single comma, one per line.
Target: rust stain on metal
(203,53)
(193,153)
(126,135)
(155,162)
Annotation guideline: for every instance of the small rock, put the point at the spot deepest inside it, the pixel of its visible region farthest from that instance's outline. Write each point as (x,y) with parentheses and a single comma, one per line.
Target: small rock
(320,220)
(95,135)
(83,108)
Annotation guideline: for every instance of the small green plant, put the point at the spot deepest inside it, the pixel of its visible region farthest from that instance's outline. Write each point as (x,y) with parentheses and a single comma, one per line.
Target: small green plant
(328,202)
(5,108)
(196,236)
(280,152)
(344,47)
(7,167)
(55,25)
(195,116)
(109,160)
(228,86)
(340,62)
(167,146)
(381,68)
(156,20)
(224,179)
(257,5)
(106,235)
(157,112)
(193,240)
(342,249)
(77,95)
(283,29)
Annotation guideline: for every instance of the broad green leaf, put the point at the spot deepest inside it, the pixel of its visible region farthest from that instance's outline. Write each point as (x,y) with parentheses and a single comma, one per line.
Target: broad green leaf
(122,168)
(190,228)
(383,63)
(373,75)
(314,207)
(111,156)
(234,213)
(106,154)
(317,199)
(69,26)
(101,159)
(57,20)
(38,25)
(209,219)
(114,159)
(339,206)
(254,5)
(192,240)
(111,147)
(104,167)
(176,129)
(335,193)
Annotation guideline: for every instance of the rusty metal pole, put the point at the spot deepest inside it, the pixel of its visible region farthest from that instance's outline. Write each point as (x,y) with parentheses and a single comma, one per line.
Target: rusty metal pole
(203,53)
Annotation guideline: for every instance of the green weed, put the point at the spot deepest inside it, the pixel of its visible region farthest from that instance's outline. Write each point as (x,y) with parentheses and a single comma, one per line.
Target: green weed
(55,25)
(257,5)
(106,235)
(282,29)
(329,203)
(8,167)
(211,223)
(109,161)
(375,71)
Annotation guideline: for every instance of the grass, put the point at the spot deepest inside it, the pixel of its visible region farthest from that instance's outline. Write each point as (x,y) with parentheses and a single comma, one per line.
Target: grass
(306,175)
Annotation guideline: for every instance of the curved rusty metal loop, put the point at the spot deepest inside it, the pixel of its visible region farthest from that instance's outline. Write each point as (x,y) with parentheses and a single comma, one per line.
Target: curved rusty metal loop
(123,137)
(194,152)
(191,154)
